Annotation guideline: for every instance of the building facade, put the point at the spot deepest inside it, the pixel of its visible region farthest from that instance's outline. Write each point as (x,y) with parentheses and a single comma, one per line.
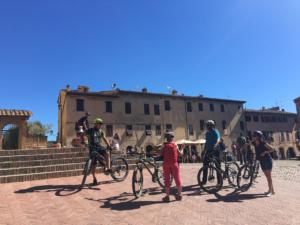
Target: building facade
(276,124)
(141,118)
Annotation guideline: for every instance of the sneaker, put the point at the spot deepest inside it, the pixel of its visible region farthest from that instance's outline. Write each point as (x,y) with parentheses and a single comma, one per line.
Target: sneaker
(166,199)
(95,182)
(178,197)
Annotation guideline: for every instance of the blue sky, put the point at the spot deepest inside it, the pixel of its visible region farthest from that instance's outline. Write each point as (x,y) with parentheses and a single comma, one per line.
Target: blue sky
(246,49)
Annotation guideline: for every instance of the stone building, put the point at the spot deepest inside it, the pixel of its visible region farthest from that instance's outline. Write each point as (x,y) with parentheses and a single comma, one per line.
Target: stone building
(141,118)
(276,124)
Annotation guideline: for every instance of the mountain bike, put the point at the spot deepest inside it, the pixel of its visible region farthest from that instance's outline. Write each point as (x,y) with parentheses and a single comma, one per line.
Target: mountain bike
(216,175)
(119,166)
(138,177)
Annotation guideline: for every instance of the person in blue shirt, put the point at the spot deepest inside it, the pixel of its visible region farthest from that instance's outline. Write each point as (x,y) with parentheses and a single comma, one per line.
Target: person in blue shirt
(212,137)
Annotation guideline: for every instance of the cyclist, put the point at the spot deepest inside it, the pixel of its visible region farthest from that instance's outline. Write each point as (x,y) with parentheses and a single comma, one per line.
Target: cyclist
(82,123)
(212,140)
(170,154)
(95,137)
(262,151)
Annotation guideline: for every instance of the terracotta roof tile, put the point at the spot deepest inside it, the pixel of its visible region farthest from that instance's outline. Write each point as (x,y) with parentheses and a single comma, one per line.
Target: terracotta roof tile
(13,112)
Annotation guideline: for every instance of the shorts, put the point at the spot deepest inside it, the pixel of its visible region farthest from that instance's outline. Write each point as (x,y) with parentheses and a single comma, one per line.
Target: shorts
(266,164)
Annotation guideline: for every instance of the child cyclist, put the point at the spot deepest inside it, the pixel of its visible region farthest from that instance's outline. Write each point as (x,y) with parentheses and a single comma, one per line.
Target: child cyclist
(171,167)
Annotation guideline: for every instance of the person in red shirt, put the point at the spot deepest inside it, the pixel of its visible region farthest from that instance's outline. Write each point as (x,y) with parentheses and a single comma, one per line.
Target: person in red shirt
(170,154)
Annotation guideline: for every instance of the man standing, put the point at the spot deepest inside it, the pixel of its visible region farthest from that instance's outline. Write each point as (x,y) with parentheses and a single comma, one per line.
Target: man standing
(212,139)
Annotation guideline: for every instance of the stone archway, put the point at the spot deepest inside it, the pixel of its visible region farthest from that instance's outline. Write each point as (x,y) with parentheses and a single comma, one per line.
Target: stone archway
(18,118)
(10,137)
(290,153)
(149,149)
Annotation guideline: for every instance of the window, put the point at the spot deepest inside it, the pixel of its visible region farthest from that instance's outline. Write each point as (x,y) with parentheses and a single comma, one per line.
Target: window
(262,119)
(148,130)
(224,124)
(242,126)
(169,127)
(212,107)
(284,119)
(158,130)
(129,131)
(79,105)
(156,110)
(109,131)
(189,107)
(297,135)
(222,108)
(248,118)
(249,134)
(201,124)
(108,106)
(200,107)
(256,119)
(167,105)
(127,107)
(146,109)
(191,130)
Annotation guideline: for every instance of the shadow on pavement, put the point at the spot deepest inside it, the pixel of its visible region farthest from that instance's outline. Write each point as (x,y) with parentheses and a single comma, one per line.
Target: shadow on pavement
(126,201)
(235,197)
(61,190)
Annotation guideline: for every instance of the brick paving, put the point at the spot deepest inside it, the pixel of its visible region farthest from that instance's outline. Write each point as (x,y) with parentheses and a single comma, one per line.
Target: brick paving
(57,201)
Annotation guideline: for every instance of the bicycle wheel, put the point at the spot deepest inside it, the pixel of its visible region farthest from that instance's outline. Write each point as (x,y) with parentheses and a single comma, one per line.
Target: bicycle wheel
(86,171)
(119,167)
(214,180)
(232,173)
(245,178)
(161,179)
(137,182)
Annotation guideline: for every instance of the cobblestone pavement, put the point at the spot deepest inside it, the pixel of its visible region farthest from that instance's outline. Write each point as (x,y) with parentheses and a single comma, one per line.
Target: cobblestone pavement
(57,201)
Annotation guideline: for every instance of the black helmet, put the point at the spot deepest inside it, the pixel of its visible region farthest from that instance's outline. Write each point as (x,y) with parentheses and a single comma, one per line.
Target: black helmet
(259,134)
(169,134)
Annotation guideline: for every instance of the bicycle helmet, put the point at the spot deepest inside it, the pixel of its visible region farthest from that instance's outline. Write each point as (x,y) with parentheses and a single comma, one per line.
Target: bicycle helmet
(169,134)
(259,134)
(210,123)
(98,121)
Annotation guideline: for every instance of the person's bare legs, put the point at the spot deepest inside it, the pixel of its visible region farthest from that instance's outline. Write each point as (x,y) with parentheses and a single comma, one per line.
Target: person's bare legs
(270,182)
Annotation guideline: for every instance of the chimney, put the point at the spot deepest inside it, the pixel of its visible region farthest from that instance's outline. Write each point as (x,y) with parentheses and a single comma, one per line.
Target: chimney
(144,90)
(282,110)
(263,108)
(83,89)
(174,92)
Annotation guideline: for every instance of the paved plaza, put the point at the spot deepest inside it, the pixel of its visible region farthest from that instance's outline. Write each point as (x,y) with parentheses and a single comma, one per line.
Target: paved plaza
(57,201)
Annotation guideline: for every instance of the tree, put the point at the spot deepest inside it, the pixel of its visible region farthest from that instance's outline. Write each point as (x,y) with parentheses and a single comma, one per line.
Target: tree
(37,129)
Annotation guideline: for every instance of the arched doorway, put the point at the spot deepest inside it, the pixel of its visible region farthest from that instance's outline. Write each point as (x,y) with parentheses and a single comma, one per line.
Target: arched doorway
(281,153)
(290,153)
(149,149)
(10,137)
(129,150)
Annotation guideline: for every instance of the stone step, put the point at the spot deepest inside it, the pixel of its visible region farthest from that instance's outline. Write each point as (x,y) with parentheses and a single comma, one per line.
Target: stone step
(47,175)
(48,162)
(17,158)
(40,151)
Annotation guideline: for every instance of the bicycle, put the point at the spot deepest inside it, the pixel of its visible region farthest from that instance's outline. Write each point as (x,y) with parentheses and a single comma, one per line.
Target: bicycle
(215,173)
(247,175)
(138,178)
(119,166)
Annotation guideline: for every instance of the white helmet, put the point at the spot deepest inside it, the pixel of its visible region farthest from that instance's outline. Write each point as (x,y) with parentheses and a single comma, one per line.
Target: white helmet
(210,123)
